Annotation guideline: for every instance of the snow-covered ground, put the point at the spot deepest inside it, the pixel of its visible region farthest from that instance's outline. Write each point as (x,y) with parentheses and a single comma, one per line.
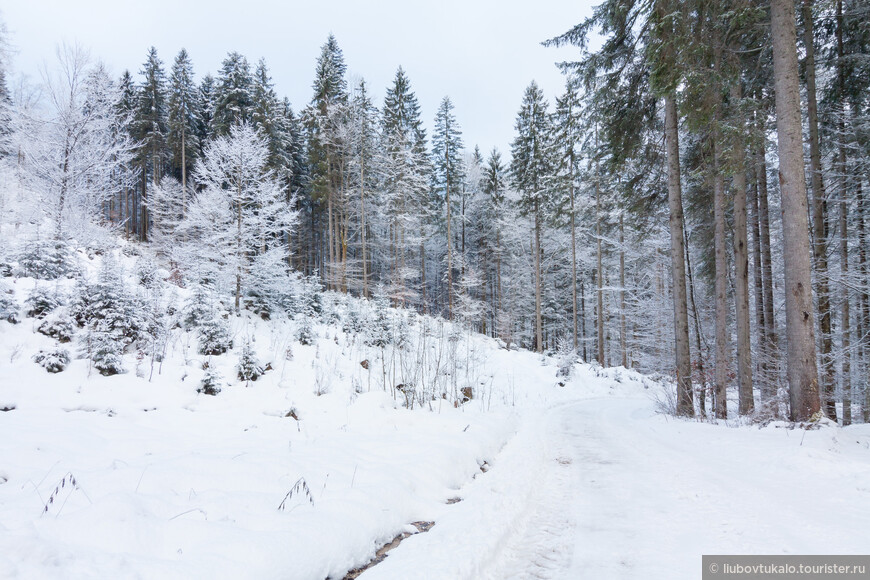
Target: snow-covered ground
(306,472)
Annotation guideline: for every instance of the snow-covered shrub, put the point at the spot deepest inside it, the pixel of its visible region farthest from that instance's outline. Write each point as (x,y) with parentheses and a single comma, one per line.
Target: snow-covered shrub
(54,361)
(45,259)
(354,322)
(309,297)
(248,368)
(8,305)
(210,383)
(305,329)
(214,335)
(331,309)
(203,313)
(198,307)
(58,325)
(114,318)
(147,271)
(41,301)
(161,317)
(105,351)
(378,331)
(565,358)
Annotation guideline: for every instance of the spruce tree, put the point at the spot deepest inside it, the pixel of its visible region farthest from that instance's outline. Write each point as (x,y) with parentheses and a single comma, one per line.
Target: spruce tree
(531,172)
(207,103)
(447,177)
(323,118)
(183,118)
(404,205)
(233,97)
(151,129)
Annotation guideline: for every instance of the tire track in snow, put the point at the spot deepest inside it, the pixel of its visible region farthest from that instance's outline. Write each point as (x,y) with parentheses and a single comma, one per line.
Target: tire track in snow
(541,542)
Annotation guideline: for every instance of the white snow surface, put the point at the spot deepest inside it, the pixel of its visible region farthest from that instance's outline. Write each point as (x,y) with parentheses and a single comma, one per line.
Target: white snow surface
(584,480)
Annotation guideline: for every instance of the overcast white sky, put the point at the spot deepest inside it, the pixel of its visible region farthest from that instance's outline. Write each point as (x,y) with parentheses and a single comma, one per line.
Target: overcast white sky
(482,53)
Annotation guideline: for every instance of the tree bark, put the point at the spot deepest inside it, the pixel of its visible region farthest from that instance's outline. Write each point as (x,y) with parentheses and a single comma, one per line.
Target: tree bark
(702,391)
(746,404)
(758,286)
(802,374)
(622,337)
(845,322)
(685,405)
(769,348)
(539,343)
(720,375)
(573,249)
(599,273)
(820,221)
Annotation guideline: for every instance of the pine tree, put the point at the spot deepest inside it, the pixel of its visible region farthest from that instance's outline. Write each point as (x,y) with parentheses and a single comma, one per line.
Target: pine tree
(233,95)
(802,373)
(531,172)
(405,170)
(363,119)
(568,136)
(151,130)
(323,119)
(248,368)
(268,118)
(183,118)
(207,103)
(494,188)
(447,177)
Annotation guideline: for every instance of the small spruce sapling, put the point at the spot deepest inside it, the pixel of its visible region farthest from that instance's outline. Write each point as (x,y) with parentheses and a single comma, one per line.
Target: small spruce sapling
(8,306)
(210,383)
(53,361)
(41,301)
(58,325)
(248,369)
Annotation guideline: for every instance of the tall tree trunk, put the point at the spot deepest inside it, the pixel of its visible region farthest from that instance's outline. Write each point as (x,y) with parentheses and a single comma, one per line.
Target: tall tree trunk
(770,349)
(183,173)
(741,263)
(599,272)
(720,377)
(760,323)
(573,250)
(583,317)
(702,391)
(538,321)
(678,267)
(622,337)
(449,238)
(863,314)
(363,236)
(239,246)
(844,224)
(802,372)
(820,221)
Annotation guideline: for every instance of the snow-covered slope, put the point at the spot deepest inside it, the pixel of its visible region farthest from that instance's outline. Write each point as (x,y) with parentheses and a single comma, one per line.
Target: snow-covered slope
(306,472)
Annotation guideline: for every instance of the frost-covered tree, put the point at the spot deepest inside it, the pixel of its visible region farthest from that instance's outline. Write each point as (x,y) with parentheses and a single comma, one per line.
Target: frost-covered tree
(447,177)
(111,315)
(150,129)
(248,368)
(239,218)
(72,157)
(403,205)
(182,121)
(531,170)
(233,94)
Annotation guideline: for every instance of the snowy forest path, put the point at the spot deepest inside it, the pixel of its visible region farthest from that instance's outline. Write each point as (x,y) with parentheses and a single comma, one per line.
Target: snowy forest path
(654,493)
(607,488)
